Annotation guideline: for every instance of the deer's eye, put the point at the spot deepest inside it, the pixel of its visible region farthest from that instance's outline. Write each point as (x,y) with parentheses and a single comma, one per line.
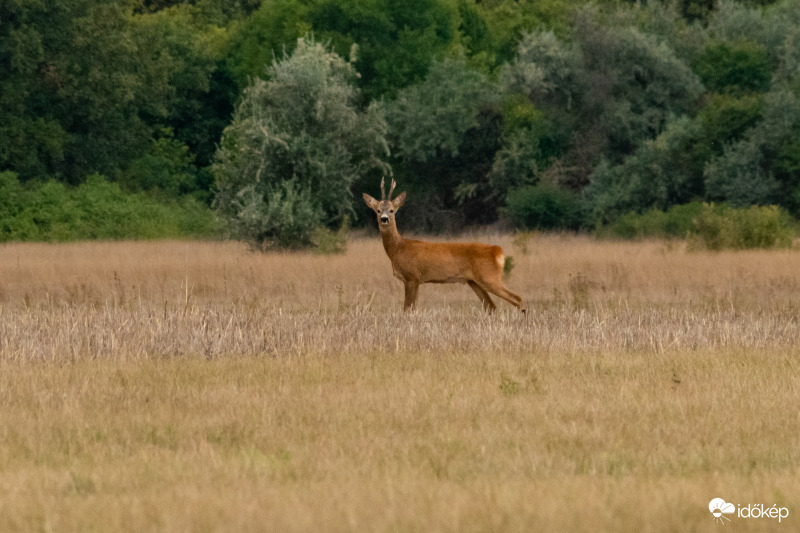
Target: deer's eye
(391,210)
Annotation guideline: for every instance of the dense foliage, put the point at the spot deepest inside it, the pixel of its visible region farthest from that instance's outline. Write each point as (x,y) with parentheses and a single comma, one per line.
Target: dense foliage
(711,226)
(275,114)
(96,209)
(296,145)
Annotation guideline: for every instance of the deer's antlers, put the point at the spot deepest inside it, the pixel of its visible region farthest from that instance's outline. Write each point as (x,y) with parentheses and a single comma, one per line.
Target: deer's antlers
(383,191)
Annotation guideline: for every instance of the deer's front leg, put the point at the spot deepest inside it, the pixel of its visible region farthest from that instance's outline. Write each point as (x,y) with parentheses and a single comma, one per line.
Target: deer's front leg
(411,295)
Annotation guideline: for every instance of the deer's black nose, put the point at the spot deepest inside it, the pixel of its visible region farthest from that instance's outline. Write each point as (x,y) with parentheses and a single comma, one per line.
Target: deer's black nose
(384,218)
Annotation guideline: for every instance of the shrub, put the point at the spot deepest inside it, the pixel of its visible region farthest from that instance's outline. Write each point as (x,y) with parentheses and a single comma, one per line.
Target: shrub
(306,125)
(723,227)
(329,242)
(543,207)
(508,266)
(194,218)
(97,209)
(678,221)
(710,226)
(283,216)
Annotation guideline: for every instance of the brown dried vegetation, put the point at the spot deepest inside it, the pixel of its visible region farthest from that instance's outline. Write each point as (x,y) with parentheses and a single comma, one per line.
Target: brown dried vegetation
(183,386)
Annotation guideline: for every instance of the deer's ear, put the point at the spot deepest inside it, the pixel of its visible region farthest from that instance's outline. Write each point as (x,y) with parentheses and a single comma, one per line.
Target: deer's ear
(371,202)
(400,200)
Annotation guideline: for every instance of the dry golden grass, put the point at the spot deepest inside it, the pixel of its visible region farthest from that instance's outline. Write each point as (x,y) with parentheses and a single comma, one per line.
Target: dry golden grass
(182,386)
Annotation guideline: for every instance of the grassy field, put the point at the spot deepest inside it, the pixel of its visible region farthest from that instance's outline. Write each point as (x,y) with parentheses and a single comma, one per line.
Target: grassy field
(184,386)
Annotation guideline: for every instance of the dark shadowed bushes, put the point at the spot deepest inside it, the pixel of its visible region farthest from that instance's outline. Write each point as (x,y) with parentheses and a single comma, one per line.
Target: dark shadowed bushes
(543,207)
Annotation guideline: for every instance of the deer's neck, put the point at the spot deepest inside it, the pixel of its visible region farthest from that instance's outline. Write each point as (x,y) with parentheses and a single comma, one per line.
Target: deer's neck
(391,238)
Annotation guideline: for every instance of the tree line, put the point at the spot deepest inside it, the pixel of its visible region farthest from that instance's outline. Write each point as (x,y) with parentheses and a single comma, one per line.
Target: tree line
(265,119)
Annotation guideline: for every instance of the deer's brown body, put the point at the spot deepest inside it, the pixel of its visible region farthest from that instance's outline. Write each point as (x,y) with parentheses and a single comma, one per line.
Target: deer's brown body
(414,262)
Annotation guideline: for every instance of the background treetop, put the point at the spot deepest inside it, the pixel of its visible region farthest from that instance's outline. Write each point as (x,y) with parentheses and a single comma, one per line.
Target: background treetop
(482,109)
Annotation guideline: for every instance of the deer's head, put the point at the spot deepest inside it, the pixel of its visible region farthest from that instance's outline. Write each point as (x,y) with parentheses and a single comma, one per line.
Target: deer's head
(386,208)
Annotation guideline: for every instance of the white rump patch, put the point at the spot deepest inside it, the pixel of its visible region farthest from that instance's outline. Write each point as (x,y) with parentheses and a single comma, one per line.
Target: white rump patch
(501,260)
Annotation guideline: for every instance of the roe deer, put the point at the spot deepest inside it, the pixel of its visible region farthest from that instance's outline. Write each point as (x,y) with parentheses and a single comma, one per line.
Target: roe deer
(478,265)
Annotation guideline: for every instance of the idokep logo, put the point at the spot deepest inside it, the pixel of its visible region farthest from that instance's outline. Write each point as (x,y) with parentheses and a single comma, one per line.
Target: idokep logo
(719,508)
(722,510)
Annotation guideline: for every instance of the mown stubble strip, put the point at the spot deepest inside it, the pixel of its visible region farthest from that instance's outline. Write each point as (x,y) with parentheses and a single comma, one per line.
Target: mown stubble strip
(63,332)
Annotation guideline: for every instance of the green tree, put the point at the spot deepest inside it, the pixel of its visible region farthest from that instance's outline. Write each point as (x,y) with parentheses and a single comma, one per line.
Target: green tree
(738,67)
(296,145)
(734,21)
(396,40)
(476,37)
(78,83)
(606,92)
(740,176)
(32,139)
(216,9)
(431,118)
(547,70)
(444,133)
(763,166)
(518,161)
(166,169)
(637,83)
(192,42)
(509,20)
(270,31)
(663,172)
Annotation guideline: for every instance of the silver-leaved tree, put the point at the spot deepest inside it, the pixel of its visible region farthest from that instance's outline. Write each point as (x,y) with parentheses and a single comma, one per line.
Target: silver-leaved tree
(297,142)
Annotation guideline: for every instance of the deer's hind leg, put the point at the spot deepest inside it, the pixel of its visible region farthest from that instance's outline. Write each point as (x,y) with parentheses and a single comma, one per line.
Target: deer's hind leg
(488,304)
(497,287)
